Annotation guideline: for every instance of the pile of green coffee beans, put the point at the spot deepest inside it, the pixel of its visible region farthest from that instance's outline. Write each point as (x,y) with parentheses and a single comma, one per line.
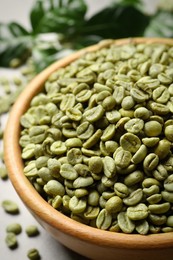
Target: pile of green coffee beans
(97,142)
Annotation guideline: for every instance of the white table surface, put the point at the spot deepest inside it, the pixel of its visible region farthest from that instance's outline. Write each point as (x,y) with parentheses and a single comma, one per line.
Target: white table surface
(17,10)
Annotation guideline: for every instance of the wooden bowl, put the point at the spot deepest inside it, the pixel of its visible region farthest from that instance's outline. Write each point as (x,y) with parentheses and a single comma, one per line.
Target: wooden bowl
(85,240)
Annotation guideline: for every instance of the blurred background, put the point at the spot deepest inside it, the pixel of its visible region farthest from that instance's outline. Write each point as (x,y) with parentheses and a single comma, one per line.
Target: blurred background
(18,9)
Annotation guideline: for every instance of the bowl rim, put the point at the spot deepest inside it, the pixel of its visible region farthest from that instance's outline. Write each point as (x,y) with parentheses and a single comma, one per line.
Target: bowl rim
(33,200)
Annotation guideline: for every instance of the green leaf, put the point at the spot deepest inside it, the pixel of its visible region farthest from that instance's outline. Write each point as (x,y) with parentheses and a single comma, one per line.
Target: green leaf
(17,30)
(161,25)
(85,41)
(36,14)
(12,31)
(43,58)
(13,50)
(117,21)
(58,16)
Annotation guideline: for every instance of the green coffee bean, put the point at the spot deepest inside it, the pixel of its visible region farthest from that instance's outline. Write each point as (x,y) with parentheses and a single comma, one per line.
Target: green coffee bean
(27,120)
(44,174)
(58,148)
(93,139)
(108,194)
(108,133)
(14,228)
(154,229)
(119,94)
(11,240)
(138,212)
(150,141)
(128,102)
(108,182)
(114,205)
(159,208)
(54,167)
(151,161)
(84,95)
(163,148)
(169,132)
(148,182)
(151,190)
(114,227)
(134,178)
(126,113)
(122,158)
(111,146)
(168,164)
(167,229)
(32,231)
(121,190)
(127,170)
(3,173)
(67,102)
(165,79)
(130,142)
(152,128)
(54,188)
(90,152)
(82,169)
(170,89)
(77,205)
(139,95)
(142,112)
(140,154)
(113,116)
(155,198)
(28,151)
(82,182)
(158,108)
(33,254)
(81,192)
(161,94)
(109,167)
(56,202)
(168,122)
(85,130)
(10,207)
(125,223)
(134,125)
(37,134)
(168,183)
(93,198)
(95,164)
(134,198)
(169,221)
(160,173)
(41,162)
(104,219)
(91,212)
(142,227)
(109,103)
(73,142)
(94,114)
(155,69)
(157,219)
(74,156)
(167,196)
(68,172)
